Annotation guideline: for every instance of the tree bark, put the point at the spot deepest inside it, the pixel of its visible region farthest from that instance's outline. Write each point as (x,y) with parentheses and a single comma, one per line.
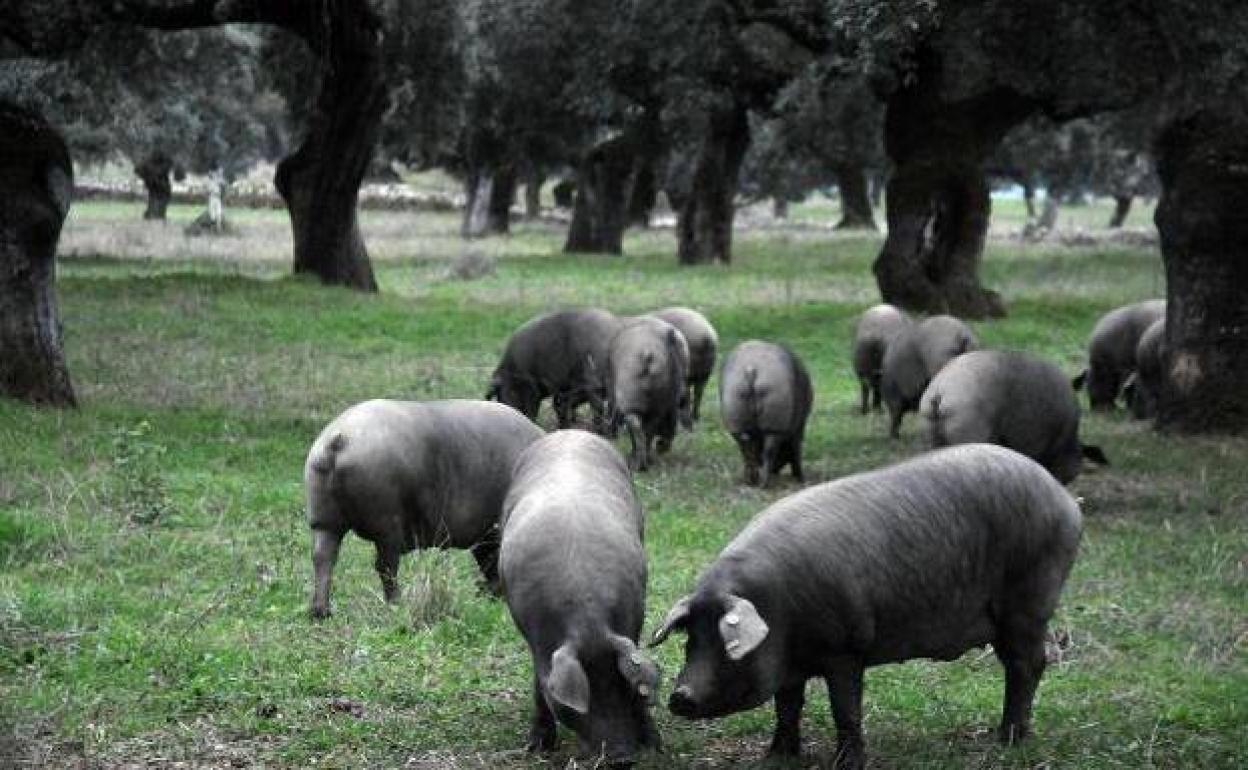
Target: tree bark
(780,207)
(36,183)
(1122,207)
(644,195)
(1203,164)
(856,212)
(1048,214)
(533,194)
(502,195)
(938,205)
(320,182)
(705,223)
(600,209)
(154,171)
(1029,198)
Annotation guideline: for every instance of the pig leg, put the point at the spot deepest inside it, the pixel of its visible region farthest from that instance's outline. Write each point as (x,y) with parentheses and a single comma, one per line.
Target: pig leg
(895,413)
(387,564)
(486,555)
(876,394)
(771,458)
(795,458)
(865,388)
(640,441)
(667,433)
(325,544)
(543,735)
(565,412)
(787,740)
(844,681)
(1021,652)
(698,388)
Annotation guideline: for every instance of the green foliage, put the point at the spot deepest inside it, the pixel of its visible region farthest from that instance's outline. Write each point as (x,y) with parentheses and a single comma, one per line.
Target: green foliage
(189,641)
(138,460)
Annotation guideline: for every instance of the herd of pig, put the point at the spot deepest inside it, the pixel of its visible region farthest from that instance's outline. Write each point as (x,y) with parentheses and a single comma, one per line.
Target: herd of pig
(961,547)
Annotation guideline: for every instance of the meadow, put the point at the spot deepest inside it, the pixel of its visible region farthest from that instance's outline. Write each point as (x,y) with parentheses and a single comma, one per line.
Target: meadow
(154,557)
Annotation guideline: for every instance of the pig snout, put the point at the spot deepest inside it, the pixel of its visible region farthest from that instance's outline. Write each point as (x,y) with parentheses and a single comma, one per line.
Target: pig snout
(682,703)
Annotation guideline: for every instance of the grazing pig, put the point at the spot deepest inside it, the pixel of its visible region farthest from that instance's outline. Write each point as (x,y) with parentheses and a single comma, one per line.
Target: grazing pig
(954,549)
(1111,350)
(556,355)
(646,364)
(1012,399)
(875,329)
(764,399)
(1145,385)
(914,357)
(574,577)
(408,475)
(703,345)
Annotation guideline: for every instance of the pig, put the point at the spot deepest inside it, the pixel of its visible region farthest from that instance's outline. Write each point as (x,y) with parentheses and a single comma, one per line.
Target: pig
(954,549)
(914,357)
(1012,399)
(1144,385)
(574,579)
(876,327)
(646,364)
(1111,350)
(406,475)
(703,344)
(556,355)
(764,399)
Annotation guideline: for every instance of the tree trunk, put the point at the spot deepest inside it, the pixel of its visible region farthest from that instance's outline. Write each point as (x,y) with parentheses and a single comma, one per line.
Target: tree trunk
(1203,164)
(533,194)
(36,183)
(502,195)
(938,204)
(1029,198)
(154,171)
(644,194)
(780,207)
(856,212)
(705,224)
(878,184)
(1048,214)
(476,223)
(1122,207)
(600,210)
(320,182)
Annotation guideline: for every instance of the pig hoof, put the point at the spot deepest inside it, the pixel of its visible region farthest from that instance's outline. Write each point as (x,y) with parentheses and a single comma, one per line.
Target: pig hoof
(541,741)
(319,613)
(783,750)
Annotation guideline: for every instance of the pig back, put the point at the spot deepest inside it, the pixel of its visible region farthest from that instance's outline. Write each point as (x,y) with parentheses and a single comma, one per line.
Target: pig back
(647,360)
(764,387)
(908,561)
(876,327)
(445,464)
(572,531)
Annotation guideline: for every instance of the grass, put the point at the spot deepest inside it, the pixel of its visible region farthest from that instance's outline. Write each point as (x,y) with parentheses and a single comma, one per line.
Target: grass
(154,560)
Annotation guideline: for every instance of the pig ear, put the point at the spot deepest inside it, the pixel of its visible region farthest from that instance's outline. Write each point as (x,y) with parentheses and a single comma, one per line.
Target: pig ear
(567,683)
(640,672)
(676,618)
(742,628)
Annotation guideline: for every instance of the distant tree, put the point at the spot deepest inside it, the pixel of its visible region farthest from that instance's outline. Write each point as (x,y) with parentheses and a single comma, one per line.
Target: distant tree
(189,100)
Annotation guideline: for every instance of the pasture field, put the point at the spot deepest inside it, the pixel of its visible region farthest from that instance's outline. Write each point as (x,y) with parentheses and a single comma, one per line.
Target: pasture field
(154,559)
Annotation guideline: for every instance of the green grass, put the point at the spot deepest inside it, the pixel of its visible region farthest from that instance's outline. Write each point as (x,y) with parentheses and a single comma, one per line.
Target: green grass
(154,565)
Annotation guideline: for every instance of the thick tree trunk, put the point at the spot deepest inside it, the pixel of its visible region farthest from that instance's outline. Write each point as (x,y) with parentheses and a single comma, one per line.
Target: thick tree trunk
(533,194)
(502,195)
(1203,164)
(600,210)
(938,204)
(780,207)
(154,171)
(36,182)
(705,224)
(856,211)
(1122,207)
(320,182)
(644,195)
